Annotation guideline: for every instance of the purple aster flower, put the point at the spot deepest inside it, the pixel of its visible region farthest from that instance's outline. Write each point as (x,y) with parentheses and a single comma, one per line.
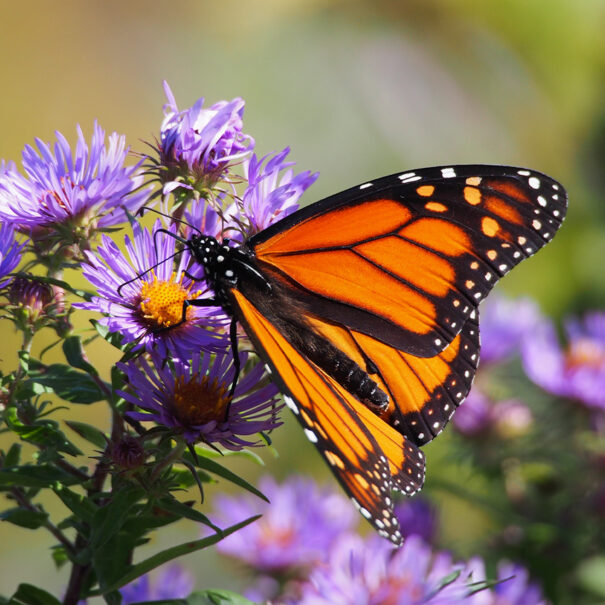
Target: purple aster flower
(295,532)
(72,192)
(575,371)
(203,216)
(417,516)
(144,309)
(174,582)
(369,572)
(504,323)
(192,398)
(10,253)
(270,195)
(198,145)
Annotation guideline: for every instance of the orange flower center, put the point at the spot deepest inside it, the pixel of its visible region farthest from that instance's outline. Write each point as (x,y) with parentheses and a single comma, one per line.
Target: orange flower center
(162,301)
(585,352)
(198,401)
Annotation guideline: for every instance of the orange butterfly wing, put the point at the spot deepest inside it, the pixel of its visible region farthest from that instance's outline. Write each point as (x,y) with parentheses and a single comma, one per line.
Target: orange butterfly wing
(367,456)
(406,259)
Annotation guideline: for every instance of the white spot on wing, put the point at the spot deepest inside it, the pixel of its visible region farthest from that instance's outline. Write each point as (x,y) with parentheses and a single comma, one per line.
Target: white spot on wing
(291,404)
(448,173)
(311,436)
(365,185)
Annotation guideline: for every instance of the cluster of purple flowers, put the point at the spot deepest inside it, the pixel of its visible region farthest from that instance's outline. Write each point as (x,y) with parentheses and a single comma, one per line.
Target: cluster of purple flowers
(305,550)
(574,369)
(67,198)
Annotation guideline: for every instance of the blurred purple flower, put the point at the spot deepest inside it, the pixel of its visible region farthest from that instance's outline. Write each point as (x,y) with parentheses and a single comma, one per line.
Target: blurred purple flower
(10,253)
(482,418)
(417,517)
(504,323)
(295,532)
(90,188)
(193,398)
(473,417)
(269,196)
(511,419)
(369,572)
(576,370)
(197,145)
(513,586)
(173,582)
(143,310)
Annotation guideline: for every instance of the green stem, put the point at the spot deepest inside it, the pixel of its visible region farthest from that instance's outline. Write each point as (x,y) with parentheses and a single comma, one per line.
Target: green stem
(22,499)
(176,453)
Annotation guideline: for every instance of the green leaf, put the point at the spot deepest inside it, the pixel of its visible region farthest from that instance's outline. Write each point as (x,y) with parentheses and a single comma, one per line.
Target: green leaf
(32,595)
(172,553)
(78,504)
(59,555)
(109,562)
(217,597)
(29,475)
(43,433)
(172,505)
(109,519)
(215,468)
(30,519)
(113,338)
(74,353)
(591,575)
(247,454)
(68,383)
(88,432)
(11,458)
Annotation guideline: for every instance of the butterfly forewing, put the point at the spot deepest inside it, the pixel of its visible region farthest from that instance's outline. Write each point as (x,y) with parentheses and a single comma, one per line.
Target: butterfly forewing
(407,258)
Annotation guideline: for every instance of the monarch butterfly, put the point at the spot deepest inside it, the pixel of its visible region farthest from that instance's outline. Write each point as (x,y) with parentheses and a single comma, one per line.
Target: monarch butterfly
(364,308)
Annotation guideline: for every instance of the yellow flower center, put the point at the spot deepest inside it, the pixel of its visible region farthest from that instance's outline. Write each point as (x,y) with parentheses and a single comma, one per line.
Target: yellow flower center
(162,301)
(585,352)
(198,401)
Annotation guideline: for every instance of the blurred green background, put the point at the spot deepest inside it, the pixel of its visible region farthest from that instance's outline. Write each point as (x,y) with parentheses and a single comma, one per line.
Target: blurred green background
(358,90)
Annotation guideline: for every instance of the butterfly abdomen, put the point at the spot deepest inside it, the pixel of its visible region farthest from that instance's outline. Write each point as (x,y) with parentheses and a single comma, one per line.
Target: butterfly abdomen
(344,370)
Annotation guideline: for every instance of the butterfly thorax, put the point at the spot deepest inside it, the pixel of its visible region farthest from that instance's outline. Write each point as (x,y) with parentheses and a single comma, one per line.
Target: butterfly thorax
(224,265)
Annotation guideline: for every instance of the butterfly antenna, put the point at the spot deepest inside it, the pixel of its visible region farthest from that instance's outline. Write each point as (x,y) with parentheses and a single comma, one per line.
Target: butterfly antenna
(144,209)
(147,270)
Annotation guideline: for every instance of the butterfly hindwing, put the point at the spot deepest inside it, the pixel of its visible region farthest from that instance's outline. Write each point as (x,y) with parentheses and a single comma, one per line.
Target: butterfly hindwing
(368,457)
(406,259)
(423,392)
